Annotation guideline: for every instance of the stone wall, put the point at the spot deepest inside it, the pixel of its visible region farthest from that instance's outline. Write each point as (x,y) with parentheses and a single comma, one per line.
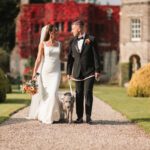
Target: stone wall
(138,9)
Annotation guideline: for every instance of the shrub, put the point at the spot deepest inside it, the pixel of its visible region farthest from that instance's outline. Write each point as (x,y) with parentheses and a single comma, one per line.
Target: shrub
(3,86)
(139,85)
(4,60)
(2,95)
(8,85)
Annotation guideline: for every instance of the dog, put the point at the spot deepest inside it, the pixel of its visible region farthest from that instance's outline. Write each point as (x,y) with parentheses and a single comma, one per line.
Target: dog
(67,105)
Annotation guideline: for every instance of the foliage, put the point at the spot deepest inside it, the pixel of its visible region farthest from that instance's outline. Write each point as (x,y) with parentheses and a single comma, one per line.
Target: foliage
(139,84)
(8,12)
(31,61)
(4,60)
(124,71)
(4,86)
(27,73)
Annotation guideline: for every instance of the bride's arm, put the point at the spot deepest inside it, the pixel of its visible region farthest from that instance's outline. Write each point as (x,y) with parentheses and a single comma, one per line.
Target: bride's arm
(38,59)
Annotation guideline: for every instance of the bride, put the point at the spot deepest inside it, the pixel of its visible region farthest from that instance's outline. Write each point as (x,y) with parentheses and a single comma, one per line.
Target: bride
(45,103)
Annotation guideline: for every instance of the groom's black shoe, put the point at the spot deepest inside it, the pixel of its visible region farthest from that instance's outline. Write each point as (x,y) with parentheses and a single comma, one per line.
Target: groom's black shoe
(88,120)
(79,120)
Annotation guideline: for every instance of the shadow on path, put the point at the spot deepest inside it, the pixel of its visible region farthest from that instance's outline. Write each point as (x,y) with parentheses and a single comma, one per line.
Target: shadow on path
(111,122)
(13,121)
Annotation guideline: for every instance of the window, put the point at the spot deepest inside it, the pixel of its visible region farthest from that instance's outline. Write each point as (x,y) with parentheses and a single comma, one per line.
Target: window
(42,24)
(60,26)
(33,14)
(62,66)
(69,26)
(97,29)
(101,57)
(109,13)
(57,25)
(36,28)
(135,29)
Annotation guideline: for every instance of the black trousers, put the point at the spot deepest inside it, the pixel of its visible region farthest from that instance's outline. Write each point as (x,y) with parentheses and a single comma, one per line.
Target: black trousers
(84,89)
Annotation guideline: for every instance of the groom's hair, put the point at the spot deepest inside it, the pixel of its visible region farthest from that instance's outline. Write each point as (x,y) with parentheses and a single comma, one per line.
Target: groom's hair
(79,23)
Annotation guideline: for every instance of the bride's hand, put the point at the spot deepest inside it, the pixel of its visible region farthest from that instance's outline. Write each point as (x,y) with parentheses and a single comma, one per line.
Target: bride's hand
(34,77)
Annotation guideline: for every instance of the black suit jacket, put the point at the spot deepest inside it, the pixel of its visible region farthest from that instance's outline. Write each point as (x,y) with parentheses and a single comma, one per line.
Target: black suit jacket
(87,61)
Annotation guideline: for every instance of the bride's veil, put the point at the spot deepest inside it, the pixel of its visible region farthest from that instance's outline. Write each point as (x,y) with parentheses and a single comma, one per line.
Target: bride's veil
(36,98)
(43,31)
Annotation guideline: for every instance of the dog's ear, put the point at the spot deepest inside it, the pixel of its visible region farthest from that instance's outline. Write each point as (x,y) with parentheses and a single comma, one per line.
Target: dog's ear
(67,93)
(62,98)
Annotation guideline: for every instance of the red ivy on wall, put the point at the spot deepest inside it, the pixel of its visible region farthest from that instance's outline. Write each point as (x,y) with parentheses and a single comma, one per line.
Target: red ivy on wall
(33,17)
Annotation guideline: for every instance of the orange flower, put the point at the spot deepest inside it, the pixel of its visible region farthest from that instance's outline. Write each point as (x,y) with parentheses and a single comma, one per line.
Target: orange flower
(30,87)
(87,41)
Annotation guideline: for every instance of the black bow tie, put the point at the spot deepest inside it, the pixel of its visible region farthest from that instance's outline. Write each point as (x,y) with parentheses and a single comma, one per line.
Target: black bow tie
(80,38)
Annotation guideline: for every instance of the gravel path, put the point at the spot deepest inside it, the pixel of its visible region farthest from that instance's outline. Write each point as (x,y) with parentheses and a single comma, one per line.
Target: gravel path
(110,131)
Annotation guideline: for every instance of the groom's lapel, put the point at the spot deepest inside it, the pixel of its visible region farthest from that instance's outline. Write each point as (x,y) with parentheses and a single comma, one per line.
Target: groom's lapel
(84,44)
(76,45)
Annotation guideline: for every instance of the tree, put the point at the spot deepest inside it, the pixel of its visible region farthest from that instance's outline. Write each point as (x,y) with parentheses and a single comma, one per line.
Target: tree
(9,10)
(4,60)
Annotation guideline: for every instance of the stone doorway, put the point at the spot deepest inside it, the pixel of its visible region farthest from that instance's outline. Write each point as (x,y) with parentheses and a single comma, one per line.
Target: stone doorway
(134,64)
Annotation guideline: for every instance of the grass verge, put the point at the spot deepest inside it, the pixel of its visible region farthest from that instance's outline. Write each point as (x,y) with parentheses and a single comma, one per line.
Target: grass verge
(136,109)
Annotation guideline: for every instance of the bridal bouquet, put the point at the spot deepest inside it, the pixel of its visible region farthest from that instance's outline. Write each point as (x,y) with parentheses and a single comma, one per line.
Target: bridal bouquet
(30,87)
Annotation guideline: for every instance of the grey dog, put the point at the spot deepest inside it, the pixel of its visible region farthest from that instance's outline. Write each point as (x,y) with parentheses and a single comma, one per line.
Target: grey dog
(67,104)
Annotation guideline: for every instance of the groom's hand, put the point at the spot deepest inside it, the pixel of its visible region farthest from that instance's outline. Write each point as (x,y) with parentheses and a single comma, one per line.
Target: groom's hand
(97,75)
(68,76)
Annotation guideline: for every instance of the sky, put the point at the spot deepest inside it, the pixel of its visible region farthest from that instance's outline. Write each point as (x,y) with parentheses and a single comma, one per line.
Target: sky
(115,2)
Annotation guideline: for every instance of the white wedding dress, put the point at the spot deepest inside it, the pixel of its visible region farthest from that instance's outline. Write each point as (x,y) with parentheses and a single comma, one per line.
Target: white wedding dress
(45,104)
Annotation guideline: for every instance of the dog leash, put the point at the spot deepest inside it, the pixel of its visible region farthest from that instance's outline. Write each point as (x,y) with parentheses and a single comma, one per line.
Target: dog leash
(82,79)
(77,80)
(71,91)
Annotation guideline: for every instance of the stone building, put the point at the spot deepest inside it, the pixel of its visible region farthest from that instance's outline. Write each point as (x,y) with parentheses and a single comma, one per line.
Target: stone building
(101,21)
(134,37)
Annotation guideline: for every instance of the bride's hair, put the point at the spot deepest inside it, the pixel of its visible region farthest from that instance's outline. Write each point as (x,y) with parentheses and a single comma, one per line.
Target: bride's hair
(49,29)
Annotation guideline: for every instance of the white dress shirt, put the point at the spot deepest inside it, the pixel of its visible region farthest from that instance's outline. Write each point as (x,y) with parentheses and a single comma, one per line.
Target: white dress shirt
(80,42)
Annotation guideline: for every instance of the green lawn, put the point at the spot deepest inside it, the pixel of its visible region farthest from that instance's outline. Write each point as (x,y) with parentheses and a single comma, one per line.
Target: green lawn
(135,109)
(15,101)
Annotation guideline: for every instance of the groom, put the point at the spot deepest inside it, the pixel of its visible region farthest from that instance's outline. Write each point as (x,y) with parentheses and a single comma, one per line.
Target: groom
(83,59)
